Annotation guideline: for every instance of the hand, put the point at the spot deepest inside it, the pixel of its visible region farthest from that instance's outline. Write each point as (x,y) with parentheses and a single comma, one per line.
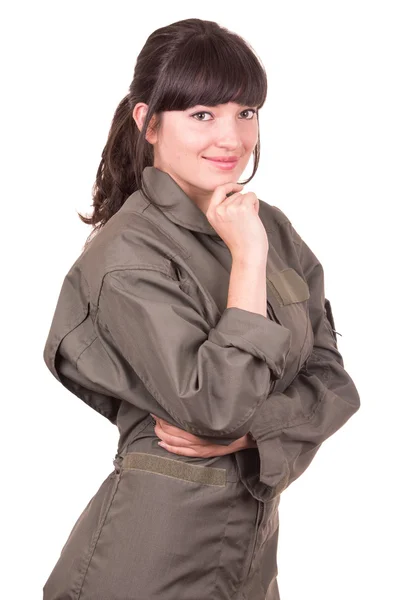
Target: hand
(236,219)
(181,442)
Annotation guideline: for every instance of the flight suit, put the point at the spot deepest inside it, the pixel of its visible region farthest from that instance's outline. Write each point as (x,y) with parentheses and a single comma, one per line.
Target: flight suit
(141,326)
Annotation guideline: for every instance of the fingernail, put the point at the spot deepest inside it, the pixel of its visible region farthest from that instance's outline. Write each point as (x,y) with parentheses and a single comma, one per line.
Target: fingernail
(161,444)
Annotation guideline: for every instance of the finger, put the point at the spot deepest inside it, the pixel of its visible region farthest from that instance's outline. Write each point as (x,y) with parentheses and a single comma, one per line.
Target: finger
(174,440)
(180,433)
(220,193)
(179,450)
(209,451)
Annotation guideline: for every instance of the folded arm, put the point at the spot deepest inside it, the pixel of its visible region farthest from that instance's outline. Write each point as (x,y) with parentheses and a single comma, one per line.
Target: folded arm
(207,380)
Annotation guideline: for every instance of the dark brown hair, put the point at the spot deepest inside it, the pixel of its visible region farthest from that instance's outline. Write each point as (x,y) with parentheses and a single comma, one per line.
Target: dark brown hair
(181,65)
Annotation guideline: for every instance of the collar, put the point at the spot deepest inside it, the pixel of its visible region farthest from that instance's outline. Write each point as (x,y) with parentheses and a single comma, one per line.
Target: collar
(170,198)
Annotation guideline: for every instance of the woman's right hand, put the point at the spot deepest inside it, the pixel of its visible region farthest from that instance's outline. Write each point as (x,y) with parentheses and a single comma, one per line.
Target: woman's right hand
(235,219)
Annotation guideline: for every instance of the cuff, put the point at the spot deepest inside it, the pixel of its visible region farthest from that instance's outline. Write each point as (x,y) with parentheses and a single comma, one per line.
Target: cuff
(256,334)
(274,469)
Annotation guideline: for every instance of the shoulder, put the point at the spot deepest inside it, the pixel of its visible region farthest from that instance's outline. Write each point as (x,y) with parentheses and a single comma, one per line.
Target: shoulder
(128,240)
(277,223)
(271,215)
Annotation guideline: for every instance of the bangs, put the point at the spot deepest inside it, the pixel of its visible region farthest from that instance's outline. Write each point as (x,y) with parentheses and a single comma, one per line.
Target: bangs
(208,71)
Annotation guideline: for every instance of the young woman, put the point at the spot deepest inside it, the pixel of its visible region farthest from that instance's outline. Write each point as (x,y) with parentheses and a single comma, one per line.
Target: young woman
(195,315)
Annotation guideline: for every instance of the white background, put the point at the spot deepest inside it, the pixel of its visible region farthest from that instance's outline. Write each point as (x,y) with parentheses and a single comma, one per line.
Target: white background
(328,160)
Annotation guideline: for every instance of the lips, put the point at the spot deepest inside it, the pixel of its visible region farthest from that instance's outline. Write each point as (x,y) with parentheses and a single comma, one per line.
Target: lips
(222,160)
(223,165)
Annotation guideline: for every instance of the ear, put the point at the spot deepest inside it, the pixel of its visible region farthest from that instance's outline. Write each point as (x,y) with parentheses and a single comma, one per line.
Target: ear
(139,113)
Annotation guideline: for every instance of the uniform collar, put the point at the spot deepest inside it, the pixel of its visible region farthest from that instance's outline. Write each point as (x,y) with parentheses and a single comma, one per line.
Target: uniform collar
(170,198)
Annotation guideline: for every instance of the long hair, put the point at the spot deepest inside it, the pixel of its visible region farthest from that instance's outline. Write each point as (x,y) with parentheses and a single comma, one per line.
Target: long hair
(181,65)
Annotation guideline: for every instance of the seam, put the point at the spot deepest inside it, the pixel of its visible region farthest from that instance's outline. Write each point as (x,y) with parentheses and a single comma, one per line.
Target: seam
(286,222)
(246,568)
(231,506)
(79,320)
(86,348)
(123,450)
(182,249)
(293,232)
(173,476)
(276,292)
(308,324)
(88,287)
(98,535)
(142,267)
(251,345)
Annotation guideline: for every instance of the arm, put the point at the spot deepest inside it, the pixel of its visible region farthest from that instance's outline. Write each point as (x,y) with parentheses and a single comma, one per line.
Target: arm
(207,381)
(290,426)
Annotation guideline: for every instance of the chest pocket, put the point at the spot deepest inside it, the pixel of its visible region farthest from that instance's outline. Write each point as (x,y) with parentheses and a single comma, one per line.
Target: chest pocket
(288,286)
(288,294)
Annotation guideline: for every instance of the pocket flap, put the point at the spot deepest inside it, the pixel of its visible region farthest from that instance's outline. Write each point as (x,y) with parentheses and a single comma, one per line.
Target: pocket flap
(288,286)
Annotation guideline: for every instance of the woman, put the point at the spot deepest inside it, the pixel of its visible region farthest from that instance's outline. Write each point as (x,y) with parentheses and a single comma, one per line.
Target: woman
(195,315)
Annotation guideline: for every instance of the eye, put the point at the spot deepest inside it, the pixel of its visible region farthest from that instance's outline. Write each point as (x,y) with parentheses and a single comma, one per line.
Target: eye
(201,113)
(253,110)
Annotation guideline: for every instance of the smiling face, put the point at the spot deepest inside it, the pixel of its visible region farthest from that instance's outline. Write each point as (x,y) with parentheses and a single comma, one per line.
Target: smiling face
(187,139)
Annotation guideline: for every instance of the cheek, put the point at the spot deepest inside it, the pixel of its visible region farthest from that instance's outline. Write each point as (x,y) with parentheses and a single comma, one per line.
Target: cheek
(193,141)
(250,138)
(185,144)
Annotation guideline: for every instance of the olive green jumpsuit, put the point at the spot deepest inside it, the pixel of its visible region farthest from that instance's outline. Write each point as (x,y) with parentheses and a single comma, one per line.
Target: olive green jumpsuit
(141,326)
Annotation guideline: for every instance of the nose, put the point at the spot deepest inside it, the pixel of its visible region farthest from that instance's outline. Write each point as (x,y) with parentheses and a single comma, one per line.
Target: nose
(227,134)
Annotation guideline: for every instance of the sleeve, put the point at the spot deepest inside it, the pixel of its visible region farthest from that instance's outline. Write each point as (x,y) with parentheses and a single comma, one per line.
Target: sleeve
(290,426)
(208,381)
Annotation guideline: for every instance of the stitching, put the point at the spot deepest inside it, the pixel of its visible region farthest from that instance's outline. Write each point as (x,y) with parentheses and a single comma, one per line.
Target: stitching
(123,450)
(86,348)
(308,324)
(276,292)
(246,568)
(98,535)
(252,346)
(138,470)
(182,249)
(231,506)
(141,267)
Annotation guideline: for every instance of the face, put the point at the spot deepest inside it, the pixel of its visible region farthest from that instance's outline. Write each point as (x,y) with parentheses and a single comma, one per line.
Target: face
(187,140)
